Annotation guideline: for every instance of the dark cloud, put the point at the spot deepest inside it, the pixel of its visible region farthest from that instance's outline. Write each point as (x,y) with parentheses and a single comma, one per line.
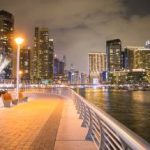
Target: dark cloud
(137,7)
(82,26)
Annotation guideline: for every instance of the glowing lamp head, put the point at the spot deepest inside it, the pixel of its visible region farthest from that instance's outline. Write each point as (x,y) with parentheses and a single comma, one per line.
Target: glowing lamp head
(20,72)
(19,40)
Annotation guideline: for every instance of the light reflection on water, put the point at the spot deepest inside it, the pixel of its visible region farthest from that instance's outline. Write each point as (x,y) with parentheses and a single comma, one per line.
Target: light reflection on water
(130,108)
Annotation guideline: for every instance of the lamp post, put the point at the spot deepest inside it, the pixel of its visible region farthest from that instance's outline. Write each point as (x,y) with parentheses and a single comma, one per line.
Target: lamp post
(18,41)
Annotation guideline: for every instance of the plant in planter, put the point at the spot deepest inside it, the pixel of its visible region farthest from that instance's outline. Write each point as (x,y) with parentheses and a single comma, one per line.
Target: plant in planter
(22,98)
(15,101)
(6,99)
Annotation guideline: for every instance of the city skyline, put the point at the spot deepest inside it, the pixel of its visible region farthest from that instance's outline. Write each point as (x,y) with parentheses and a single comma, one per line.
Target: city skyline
(79,27)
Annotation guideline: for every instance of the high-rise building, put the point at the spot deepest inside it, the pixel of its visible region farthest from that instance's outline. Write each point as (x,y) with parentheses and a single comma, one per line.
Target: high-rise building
(25,64)
(97,64)
(6,39)
(73,75)
(114,55)
(58,67)
(43,51)
(59,73)
(84,78)
(137,58)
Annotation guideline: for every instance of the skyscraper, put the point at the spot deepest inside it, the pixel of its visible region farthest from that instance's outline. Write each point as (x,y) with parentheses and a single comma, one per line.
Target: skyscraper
(97,64)
(43,50)
(6,39)
(58,71)
(114,55)
(25,68)
(137,58)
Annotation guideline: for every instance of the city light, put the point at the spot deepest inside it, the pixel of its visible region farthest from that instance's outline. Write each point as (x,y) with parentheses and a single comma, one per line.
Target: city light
(18,41)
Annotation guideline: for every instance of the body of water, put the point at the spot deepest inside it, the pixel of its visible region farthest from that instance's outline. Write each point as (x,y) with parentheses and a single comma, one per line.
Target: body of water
(132,108)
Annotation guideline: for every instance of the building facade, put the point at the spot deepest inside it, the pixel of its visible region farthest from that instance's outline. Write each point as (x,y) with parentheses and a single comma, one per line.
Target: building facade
(25,64)
(6,41)
(114,55)
(59,67)
(138,58)
(97,64)
(84,78)
(58,72)
(73,77)
(43,51)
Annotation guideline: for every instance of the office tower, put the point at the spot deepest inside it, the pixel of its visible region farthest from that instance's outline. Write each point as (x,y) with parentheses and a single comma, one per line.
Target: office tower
(6,39)
(59,71)
(137,58)
(43,50)
(25,64)
(97,64)
(84,78)
(58,67)
(61,67)
(73,76)
(114,55)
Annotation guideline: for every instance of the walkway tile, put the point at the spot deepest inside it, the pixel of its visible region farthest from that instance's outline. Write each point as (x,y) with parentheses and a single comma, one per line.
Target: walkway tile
(32,125)
(71,136)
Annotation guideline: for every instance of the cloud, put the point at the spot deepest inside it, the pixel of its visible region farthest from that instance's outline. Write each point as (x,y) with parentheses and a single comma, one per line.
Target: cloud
(80,26)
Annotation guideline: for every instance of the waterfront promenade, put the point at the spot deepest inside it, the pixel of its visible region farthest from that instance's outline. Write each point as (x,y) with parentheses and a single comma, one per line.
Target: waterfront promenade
(46,122)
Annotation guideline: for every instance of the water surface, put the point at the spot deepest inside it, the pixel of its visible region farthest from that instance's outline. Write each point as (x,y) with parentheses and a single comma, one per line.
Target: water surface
(132,108)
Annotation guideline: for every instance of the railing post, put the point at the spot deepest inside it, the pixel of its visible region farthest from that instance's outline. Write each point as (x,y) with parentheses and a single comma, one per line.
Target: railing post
(85,117)
(81,116)
(104,130)
(102,141)
(89,134)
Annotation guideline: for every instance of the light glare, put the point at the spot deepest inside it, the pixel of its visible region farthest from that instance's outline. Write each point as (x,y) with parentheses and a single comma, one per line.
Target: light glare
(19,40)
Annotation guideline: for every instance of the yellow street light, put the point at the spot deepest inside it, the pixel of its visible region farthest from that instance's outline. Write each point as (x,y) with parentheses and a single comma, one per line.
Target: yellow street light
(18,41)
(20,72)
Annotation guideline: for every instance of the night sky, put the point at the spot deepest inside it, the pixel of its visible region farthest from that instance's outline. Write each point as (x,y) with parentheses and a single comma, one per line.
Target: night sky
(82,26)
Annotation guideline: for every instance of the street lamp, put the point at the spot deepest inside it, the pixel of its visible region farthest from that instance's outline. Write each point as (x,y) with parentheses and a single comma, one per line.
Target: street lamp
(18,41)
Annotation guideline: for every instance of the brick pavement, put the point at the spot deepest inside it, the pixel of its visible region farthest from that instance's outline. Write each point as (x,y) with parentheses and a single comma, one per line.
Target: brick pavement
(32,125)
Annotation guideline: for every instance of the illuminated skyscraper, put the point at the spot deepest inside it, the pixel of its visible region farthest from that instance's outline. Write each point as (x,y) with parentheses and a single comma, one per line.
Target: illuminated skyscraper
(6,39)
(137,58)
(43,50)
(97,64)
(114,55)
(58,67)
(25,64)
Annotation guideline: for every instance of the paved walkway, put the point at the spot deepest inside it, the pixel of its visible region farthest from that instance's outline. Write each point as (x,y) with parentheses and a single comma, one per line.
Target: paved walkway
(71,136)
(34,126)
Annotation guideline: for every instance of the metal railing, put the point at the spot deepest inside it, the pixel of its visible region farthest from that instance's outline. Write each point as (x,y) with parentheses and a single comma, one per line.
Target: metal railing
(104,130)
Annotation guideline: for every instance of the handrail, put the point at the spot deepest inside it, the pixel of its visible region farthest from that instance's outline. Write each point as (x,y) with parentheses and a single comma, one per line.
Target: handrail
(104,130)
